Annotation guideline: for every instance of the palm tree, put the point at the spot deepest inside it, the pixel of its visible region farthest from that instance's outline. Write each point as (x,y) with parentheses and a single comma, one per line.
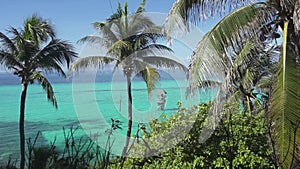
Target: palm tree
(131,41)
(243,48)
(28,52)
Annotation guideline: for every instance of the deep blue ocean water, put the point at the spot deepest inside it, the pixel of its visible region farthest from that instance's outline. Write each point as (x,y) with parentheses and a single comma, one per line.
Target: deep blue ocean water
(89,105)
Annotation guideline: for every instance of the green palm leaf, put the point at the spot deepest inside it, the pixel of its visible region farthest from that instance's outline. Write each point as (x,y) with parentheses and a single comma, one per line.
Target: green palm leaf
(8,52)
(59,51)
(46,86)
(48,65)
(9,61)
(164,62)
(149,74)
(7,43)
(211,58)
(120,48)
(91,61)
(285,107)
(141,8)
(238,83)
(107,33)
(37,29)
(195,10)
(157,49)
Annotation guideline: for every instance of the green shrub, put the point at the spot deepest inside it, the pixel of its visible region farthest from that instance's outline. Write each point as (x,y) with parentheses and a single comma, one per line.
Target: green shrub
(239,141)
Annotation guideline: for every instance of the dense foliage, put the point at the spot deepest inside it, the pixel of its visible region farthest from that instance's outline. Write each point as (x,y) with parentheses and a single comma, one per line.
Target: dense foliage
(239,141)
(238,50)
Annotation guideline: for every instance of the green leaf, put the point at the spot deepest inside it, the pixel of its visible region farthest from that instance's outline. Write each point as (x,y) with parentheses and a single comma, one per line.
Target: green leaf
(46,86)
(141,8)
(164,62)
(150,75)
(91,61)
(285,107)
(211,58)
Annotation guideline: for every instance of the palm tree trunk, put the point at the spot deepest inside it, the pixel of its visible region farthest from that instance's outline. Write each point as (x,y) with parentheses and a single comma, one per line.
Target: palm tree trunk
(128,135)
(21,125)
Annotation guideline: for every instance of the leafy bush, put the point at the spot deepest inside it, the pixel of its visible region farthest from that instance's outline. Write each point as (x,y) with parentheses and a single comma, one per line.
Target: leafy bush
(239,141)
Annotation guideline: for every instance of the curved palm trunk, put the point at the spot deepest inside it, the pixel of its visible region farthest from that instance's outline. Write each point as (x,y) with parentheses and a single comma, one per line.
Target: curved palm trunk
(21,125)
(128,135)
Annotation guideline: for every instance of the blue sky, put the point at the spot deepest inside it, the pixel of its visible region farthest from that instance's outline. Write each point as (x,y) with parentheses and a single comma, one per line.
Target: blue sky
(71,18)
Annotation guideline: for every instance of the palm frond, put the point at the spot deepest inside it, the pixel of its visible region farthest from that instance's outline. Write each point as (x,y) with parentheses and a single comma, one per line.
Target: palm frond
(138,23)
(58,51)
(158,30)
(8,60)
(8,51)
(174,26)
(91,61)
(125,11)
(296,17)
(243,56)
(242,67)
(237,84)
(46,86)
(107,33)
(26,48)
(149,74)
(48,65)
(141,8)
(209,83)
(164,62)
(285,107)
(37,29)
(197,10)
(265,82)
(156,49)
(7,43)
(121,49)
(247,80)
(147,38)
(117,14)
(91,39)
(213,54)
(16,34)
(119,27)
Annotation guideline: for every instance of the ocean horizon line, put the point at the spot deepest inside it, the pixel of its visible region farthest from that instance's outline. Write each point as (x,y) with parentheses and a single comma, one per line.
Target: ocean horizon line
(7,78)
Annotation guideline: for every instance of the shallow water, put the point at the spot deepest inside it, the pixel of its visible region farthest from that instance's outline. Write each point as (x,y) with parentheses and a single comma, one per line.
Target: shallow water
(90,106)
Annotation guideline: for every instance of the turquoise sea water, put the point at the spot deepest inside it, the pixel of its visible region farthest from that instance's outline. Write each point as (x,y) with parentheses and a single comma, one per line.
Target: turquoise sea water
(90,106)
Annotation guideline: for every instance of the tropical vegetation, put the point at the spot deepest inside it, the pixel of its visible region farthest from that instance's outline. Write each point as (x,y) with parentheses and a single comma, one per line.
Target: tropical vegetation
(251,54)
(253,49)
(240,141)
(29,51)
(132,43)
